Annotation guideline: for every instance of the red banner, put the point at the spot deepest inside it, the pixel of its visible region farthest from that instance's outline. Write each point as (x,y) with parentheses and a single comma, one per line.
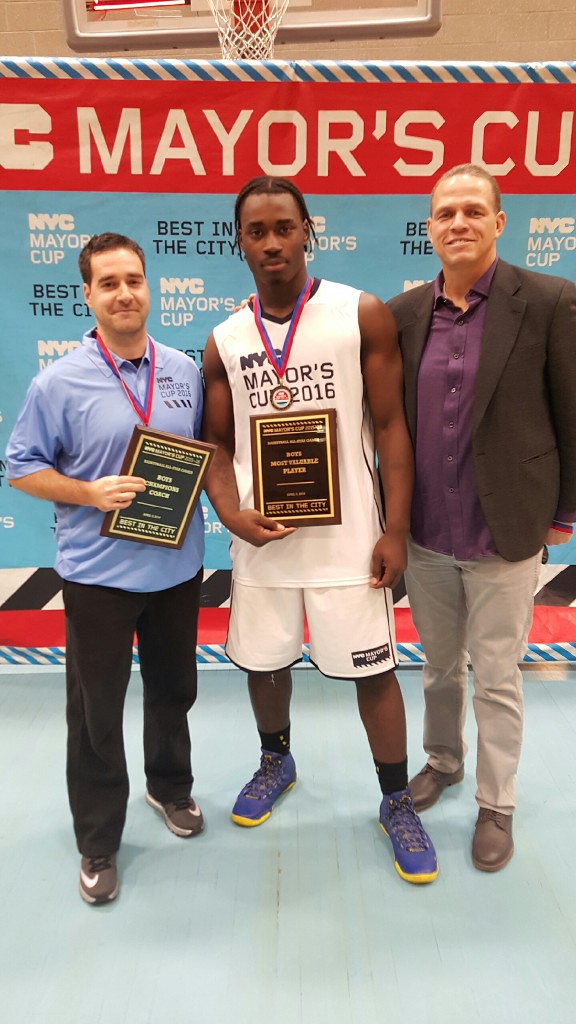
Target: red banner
(47,628)
(150,136)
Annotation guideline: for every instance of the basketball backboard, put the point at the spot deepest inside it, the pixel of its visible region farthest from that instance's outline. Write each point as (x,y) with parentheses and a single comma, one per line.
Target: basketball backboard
(192,25)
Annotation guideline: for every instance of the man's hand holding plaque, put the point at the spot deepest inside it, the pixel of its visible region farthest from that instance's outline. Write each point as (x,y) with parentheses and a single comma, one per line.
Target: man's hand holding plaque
(115,492)
(250,525)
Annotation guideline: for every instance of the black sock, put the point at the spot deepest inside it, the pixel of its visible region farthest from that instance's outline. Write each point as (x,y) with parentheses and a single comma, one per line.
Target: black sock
(276,742)
(392,777)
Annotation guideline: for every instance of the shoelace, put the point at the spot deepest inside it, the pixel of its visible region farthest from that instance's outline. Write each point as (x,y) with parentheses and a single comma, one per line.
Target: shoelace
(182,803)
(429,770)
(407,827)
(264,778)
(488,814)
(98,864)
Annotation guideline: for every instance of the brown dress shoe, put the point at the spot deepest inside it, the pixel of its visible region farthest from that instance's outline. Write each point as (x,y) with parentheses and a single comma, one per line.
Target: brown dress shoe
(427,786)
(492,846)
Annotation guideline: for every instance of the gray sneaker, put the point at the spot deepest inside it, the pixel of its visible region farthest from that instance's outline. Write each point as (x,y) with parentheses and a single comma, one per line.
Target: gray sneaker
(183,817)
(99,879)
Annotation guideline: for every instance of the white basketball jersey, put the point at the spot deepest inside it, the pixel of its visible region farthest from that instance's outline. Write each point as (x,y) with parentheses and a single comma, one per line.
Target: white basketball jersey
(323,372)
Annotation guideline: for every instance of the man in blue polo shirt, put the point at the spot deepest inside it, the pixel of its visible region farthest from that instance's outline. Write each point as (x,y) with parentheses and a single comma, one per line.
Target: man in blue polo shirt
(67,447)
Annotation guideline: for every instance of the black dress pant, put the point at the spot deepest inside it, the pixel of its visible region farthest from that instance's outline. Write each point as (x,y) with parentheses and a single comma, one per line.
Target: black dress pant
(100,627)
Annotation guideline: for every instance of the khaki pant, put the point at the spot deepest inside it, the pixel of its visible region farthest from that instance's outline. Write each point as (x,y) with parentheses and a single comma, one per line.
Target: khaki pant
(482,609)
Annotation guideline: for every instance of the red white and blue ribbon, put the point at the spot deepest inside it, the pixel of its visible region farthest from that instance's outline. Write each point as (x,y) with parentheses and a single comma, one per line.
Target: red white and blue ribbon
(144,411)
(281,363)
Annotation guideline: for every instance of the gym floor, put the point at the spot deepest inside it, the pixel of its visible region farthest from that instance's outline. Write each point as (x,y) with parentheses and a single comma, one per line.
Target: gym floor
(303,920)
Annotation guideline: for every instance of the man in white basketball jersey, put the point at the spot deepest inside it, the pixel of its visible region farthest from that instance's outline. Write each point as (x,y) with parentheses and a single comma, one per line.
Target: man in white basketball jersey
(303,346)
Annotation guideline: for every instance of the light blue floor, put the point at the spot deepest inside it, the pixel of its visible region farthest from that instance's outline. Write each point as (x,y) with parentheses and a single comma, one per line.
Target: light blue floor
(300,921)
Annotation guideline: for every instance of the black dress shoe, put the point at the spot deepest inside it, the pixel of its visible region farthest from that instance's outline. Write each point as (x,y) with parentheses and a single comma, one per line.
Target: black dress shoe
(430,783)
(492,846)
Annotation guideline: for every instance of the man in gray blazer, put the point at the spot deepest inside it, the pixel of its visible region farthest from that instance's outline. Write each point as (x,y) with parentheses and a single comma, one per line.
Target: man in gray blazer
(489,355)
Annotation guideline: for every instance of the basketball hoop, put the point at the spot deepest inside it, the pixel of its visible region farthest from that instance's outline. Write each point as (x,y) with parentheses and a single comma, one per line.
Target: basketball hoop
(247,28)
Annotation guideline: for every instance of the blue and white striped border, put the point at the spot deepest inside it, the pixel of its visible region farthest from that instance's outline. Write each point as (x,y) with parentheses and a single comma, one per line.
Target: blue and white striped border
(370,72)
(213,655)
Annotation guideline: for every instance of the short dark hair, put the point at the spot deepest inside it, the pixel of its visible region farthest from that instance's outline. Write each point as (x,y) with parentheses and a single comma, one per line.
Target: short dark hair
(271,186)
(105,243)
(475,171)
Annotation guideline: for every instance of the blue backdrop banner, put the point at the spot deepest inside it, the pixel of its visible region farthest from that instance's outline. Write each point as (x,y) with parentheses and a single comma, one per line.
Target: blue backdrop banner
(157,150)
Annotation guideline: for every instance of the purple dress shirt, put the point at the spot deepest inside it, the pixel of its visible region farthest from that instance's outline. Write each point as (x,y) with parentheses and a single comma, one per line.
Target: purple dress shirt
(446,512)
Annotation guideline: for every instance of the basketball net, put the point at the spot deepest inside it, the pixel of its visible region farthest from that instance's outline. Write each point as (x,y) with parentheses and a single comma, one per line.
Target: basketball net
(247,28)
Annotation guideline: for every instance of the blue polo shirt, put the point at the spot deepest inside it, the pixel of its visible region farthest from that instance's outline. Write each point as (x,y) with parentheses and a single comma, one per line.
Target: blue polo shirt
(77,419)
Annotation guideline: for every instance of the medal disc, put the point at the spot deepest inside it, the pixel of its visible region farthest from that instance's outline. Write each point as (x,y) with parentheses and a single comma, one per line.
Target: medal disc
(281,397)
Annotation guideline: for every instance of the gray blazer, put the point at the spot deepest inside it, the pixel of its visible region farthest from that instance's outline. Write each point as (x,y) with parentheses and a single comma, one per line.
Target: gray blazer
(524,423)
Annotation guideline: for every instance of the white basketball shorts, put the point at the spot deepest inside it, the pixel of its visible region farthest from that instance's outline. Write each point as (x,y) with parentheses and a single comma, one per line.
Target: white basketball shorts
(351,629)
